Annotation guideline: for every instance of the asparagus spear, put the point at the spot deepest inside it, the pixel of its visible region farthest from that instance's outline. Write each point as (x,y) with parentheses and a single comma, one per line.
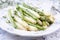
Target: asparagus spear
(27,6)
(32,28)
(29,19)
(39,22)
(50,20)
(19,26)
(37,26)
(40,27)
(42,18)
(34,9)
(11,18)
(34,13)
(45,23)
(19,14)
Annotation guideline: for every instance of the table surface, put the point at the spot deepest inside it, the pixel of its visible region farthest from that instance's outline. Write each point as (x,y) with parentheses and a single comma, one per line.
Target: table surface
(7,36)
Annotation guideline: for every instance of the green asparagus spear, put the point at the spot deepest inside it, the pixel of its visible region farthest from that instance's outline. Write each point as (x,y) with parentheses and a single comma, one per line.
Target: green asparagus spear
(37,26)
(45,23)
(11,18)
(40,27)
(34,9)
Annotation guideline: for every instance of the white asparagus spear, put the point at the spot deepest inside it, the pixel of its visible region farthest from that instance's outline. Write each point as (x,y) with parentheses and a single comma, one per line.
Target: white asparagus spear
(29,19)
(39,22)
(19,26)
(32,28)
(34,13)
(51,19)
(19,20)
(45,26)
